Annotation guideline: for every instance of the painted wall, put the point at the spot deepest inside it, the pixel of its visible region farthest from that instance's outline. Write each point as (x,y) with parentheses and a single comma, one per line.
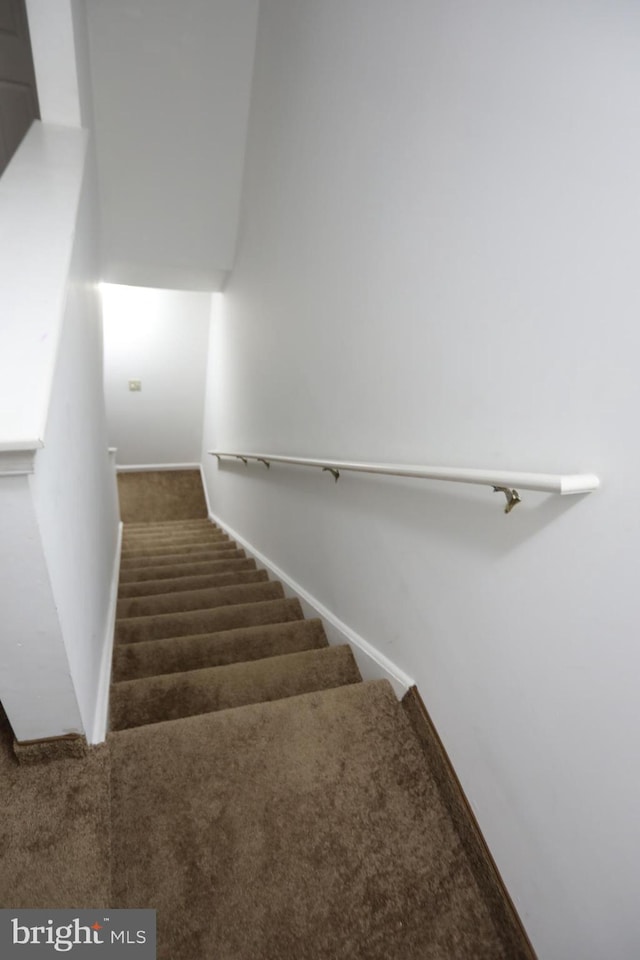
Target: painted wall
(51,27)
(36,688)
(159,337)
(58,507)
(39,195)
(73,485)
(60,524)
(437,264)
(80,24)
(60,43)
(172,84)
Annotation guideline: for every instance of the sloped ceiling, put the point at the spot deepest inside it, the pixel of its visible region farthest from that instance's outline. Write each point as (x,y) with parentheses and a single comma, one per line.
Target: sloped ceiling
(171,89)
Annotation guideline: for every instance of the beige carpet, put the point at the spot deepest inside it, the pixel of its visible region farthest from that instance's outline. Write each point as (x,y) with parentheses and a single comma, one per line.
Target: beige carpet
(161,495)
(55,830)
(254,791)
(305,828)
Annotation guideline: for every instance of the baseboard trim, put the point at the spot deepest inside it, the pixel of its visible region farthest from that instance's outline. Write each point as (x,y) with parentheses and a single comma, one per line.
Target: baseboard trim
(373,664)
(503,912)
(206,492)
(142,467)
(101,720)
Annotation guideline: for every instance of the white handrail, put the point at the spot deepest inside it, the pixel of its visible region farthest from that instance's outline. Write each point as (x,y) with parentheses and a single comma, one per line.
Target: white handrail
(506,481)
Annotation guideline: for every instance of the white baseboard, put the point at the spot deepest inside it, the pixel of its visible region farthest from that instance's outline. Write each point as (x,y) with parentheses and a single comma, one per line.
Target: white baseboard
(101,718)
(206,491)
(373,664)
(140,467)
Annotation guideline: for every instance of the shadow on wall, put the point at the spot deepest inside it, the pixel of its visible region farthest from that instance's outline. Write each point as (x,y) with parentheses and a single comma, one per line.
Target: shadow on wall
(461,513)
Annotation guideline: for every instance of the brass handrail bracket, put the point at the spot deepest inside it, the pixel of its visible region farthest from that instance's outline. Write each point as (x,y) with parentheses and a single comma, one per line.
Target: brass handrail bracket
(334,473)
(513,497)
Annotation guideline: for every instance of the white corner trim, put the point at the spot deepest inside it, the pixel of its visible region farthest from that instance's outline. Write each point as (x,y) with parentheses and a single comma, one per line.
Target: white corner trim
(206,492)
(373,664)
(17,457)
(100,723)
(139,467)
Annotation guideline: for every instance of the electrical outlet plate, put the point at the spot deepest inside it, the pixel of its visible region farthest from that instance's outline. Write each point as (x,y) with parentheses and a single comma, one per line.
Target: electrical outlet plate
(135,385)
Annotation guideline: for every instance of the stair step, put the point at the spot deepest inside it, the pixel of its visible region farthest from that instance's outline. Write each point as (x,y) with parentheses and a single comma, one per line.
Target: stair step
(148,588)
(211,543)
(149,529)
(150,525)
(179,539)
(158,530)
(179,654)
(207,621)
(218,552)
(236,560)
(135,703)
(330,786)
(206,599)
(172,544)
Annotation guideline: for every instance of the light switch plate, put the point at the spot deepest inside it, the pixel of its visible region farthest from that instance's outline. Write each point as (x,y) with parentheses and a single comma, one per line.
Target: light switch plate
(135,384)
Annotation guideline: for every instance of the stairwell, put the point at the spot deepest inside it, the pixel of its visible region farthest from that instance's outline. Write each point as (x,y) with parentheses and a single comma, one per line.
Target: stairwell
(265,800)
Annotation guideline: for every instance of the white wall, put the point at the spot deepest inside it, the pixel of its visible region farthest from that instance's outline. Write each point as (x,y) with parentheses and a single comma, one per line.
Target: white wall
(159,337)
(172,84)
(73,485)
(80,26)
(437,264)
(58,506)
(36,688)
(39,195)
(51,27)
(59,531)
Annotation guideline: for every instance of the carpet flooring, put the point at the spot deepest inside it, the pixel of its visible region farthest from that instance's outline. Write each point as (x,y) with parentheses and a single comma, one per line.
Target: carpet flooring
(161,495)
(268,803)
(55,829)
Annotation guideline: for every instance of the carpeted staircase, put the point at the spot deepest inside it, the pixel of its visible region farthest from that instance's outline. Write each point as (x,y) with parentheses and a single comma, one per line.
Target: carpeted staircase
(268,803)
(225,638)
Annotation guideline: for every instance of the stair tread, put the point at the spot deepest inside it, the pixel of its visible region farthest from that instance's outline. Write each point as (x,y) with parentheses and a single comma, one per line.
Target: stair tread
(171,696)
(157,540)
(207,621)
(152,554)
(168,524)
(162,559)
(236,560)
(147,588)
(327,785)
(204,598)
(180,654)
(151,530)
(173,545)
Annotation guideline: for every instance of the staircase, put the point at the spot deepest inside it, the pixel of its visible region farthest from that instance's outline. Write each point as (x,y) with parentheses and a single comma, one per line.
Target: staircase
(200,629)
(268,803)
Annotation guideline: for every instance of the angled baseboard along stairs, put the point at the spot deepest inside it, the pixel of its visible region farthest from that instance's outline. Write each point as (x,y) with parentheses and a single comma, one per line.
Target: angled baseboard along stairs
(281,807)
